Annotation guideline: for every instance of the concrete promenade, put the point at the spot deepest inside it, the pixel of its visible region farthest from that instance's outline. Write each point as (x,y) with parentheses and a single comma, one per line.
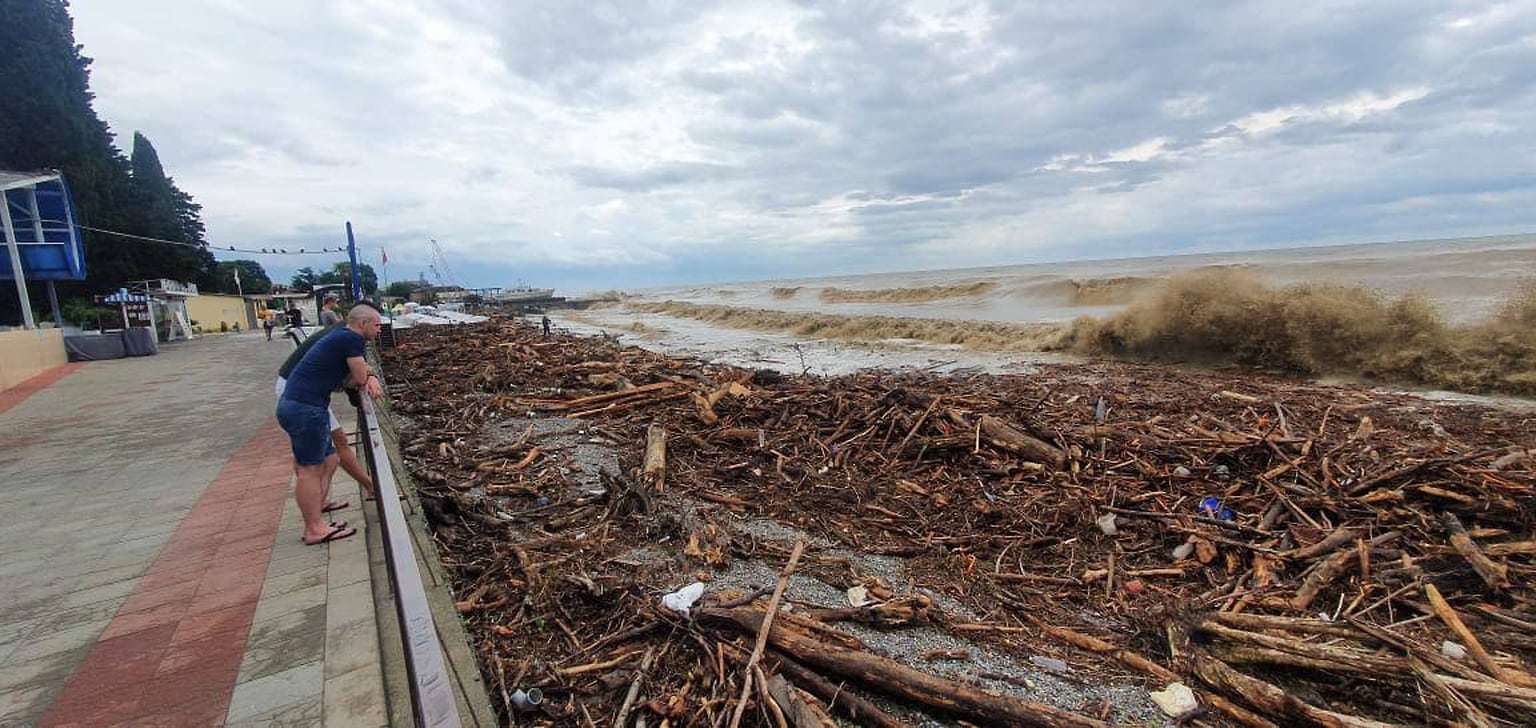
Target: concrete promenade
(152,573)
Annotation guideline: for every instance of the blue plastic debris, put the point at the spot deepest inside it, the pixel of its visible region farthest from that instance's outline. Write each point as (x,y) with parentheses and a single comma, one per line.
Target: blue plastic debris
(1211,506)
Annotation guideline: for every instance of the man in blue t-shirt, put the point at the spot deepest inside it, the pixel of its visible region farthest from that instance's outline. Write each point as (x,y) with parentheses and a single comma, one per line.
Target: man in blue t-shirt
(304,411)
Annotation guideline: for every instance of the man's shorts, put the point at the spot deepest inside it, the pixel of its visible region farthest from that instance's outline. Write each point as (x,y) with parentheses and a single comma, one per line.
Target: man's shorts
(283,384)
(308,431)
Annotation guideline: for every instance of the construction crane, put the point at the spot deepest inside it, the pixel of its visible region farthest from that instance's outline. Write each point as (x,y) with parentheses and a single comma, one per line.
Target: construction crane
(440,268)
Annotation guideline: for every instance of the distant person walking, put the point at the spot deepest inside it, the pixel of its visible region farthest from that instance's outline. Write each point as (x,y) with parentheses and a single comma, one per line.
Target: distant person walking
(268,321)
(304,413)
(546,327)
(328,315)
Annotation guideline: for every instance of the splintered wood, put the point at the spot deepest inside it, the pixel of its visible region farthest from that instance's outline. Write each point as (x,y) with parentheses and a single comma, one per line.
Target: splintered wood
(1296,553)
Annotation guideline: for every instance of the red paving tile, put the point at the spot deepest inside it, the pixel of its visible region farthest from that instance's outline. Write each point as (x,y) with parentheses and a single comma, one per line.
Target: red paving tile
(16,395)
(172,653)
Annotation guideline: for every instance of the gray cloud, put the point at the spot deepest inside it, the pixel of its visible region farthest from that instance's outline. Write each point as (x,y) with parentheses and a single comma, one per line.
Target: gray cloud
(831,137)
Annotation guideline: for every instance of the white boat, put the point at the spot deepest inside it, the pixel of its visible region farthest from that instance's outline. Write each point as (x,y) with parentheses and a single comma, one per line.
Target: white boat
(519,294)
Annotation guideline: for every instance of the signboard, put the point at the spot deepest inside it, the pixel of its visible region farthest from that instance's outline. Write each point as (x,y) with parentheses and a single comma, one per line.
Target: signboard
(137,313)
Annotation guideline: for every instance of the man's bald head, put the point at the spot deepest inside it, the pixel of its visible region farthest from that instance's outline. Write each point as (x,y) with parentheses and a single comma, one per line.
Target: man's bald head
(364,320)
(362,314)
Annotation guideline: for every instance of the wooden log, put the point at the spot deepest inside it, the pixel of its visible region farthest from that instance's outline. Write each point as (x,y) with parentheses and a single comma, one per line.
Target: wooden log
(851,705)
(1330,543)
(762,632)
(1270,699)
(1474,646)
(802,710)
(1510,695)
(1007,437)
(1158,672)
(654,470)
(1494,574)
(1332,568)
(902,681)
(584,402)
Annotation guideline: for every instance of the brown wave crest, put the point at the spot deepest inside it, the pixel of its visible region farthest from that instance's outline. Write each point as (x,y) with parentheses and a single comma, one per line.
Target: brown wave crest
(904,295)
(1224,316)
(978,335)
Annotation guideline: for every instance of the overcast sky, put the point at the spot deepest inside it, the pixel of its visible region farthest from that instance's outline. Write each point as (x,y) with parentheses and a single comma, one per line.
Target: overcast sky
(596,144)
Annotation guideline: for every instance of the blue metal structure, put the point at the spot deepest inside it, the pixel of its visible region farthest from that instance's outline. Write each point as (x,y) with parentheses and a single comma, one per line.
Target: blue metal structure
(357,283)
(42,218)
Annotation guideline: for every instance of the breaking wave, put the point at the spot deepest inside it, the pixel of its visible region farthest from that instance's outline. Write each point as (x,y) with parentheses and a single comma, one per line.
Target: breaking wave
(1219,316)
(1226,316)
(784,292)
(904,295)
(980,335)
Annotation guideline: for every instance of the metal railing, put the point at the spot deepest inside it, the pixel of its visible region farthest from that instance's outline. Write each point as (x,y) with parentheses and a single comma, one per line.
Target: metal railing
(432,696)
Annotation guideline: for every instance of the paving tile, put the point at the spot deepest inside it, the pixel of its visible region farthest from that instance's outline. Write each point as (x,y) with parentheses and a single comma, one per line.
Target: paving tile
(22,706)
(209,683)
(115,591)
(312,576)
(276,691)
(356,698)
(44,644)
(306,713)
(229,620)
(351,634)
(53,669)
(291,602)
(158,617)
(284,642)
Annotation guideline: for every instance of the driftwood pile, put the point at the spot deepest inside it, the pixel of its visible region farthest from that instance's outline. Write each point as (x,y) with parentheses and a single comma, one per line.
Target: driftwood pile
(1298,554)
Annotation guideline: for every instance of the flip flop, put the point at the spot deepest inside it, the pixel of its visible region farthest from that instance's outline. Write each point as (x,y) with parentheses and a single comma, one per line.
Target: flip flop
(334,506)
(338,524)
(336,534)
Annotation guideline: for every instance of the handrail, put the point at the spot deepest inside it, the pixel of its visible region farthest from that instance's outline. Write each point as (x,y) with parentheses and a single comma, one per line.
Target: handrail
(432,698)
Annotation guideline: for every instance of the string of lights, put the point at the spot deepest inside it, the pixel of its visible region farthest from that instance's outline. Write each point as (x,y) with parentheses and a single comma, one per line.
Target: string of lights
(210,247)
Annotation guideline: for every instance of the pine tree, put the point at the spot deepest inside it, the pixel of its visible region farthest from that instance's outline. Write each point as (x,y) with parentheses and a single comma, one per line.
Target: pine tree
(47,122)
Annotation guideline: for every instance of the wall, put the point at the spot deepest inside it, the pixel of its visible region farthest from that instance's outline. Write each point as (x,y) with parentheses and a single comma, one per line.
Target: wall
(209,309)
(26,354)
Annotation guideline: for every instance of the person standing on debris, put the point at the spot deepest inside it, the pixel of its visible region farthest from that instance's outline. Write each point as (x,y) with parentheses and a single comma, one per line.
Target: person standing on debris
(546,327)
(328,315)
(349,461)
(304,413)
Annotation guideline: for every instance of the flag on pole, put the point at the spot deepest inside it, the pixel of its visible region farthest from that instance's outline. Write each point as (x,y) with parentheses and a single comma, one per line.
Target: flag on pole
(238,289)
(384,256)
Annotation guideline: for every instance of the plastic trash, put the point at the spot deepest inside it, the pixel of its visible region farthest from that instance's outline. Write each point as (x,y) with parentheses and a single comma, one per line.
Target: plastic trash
(1101,411)
(1050,664)
(1453,650)
(529,699)
(858,596)
(1211,506)
(683,599)
(1181,471)
(1221,471)
(1175,700)
(1107,524)
(1183,551)
(542,501)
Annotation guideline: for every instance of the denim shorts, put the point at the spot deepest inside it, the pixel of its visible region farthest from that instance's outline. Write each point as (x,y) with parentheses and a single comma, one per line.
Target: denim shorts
(309,431)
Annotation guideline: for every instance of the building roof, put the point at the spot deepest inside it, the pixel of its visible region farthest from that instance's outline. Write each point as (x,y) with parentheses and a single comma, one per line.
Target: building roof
(10,179)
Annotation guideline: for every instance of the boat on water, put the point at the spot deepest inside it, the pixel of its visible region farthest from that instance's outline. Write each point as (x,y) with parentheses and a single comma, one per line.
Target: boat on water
(521,294)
